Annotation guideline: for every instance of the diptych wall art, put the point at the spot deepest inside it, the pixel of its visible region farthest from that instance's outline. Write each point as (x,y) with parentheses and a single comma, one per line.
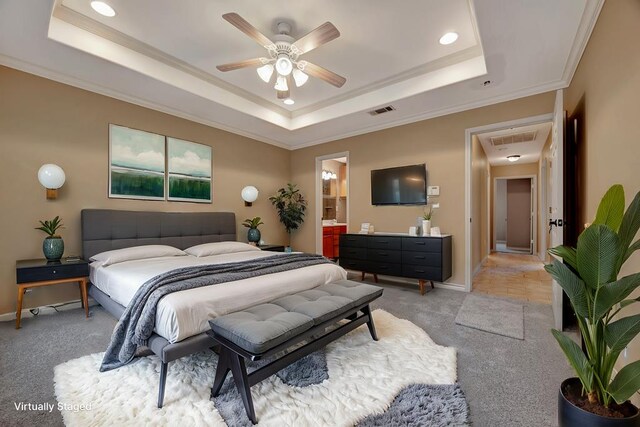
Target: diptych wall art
(144,165)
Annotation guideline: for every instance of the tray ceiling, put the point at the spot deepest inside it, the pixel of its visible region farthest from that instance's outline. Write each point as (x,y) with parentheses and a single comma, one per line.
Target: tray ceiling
(162,54)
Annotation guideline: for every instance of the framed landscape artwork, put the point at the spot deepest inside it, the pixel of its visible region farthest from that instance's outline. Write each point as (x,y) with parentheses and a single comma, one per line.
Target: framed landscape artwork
(189,171)
(136,164)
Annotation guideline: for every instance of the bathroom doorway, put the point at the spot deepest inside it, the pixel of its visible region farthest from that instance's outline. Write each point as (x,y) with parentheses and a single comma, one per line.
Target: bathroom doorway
(332,202)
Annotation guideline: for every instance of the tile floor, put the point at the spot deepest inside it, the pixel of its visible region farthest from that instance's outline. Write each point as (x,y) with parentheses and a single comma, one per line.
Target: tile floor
(515,276)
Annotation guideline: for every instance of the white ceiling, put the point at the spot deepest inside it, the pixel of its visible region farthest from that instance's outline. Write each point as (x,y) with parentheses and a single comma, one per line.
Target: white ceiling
(162,54)
(529,152)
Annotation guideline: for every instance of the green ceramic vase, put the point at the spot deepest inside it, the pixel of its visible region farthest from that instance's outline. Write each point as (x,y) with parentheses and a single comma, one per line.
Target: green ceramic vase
(53,248)
(253,235)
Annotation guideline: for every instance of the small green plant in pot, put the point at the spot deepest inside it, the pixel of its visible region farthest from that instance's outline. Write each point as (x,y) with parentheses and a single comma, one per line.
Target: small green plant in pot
(589,276)
(291,207)
(53,245)
(253,234)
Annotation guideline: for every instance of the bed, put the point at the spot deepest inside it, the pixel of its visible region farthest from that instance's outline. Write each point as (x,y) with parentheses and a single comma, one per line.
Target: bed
(182,316)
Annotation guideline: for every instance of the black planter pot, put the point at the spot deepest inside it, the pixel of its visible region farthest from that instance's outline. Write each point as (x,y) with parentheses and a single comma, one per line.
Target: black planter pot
(570,415)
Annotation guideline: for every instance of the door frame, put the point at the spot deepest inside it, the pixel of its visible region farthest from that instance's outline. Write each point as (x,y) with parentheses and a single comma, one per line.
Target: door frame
(468,135)
(534,208)
(318,195)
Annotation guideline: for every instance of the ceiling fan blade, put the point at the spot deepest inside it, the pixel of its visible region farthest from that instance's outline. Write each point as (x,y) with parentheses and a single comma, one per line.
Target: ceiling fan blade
(240,23)
(321,35)
(255,62)
(322,73)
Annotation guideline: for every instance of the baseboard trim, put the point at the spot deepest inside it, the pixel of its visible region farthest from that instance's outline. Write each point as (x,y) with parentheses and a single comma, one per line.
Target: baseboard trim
(46,309)
(478,267)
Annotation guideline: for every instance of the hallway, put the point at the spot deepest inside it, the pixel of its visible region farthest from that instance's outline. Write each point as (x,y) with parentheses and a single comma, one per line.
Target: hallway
(514,276)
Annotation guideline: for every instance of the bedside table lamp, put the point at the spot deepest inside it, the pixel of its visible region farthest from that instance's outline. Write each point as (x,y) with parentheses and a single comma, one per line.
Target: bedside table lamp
(51,177)
(249,195)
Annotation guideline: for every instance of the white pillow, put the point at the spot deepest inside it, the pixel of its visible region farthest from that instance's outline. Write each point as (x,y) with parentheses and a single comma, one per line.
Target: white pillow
(219,248)
(136,252)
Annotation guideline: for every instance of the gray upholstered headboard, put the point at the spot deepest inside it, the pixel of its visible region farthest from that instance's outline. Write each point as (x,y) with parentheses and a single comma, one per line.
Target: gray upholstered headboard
(105,229)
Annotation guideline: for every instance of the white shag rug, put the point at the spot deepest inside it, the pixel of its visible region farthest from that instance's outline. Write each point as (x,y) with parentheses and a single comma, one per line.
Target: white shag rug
(364,378)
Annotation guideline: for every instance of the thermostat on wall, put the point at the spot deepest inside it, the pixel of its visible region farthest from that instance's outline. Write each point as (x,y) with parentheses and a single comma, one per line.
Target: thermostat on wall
(433,190)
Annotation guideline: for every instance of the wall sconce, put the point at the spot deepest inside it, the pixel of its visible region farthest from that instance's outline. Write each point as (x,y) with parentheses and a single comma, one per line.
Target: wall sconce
(51,177)
(249,195)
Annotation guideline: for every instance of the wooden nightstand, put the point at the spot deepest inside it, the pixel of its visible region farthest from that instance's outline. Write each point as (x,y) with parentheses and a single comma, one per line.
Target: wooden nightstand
(33,273)
(272,248)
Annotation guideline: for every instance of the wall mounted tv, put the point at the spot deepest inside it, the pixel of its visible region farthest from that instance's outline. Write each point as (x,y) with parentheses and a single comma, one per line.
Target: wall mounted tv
(406,185)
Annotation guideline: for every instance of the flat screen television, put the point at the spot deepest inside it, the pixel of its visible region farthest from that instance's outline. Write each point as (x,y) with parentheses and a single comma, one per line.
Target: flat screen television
(405,185)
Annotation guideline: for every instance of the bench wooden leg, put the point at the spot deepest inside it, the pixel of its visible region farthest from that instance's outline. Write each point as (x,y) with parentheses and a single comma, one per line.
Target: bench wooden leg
(224,366)
(372,328)
(239,372)
(163,381)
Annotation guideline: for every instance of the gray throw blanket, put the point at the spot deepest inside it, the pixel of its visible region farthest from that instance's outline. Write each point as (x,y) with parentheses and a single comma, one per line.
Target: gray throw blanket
(139,318)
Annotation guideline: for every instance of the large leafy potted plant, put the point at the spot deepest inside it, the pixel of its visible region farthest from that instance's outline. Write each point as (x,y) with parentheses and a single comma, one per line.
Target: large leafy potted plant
(589,276)
(53,245)
(291,207)
(253,234)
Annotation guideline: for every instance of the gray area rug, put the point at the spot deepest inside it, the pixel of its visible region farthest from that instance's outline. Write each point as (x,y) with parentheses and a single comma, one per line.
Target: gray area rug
(494,315)
(424,405)
(415,405)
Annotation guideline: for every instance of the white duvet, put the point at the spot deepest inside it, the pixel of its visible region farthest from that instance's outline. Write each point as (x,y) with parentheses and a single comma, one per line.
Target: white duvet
(186,313)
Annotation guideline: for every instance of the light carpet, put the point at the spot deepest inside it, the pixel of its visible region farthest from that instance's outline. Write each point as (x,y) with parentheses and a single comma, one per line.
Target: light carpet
(365,377)
(494,315)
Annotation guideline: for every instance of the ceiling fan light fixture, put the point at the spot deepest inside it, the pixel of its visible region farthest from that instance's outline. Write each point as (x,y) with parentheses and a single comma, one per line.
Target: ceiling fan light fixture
(448,38)
(281,84)
(103,9)
(513,158)
(289,101)
(265,72)
(284,66)
(299,77)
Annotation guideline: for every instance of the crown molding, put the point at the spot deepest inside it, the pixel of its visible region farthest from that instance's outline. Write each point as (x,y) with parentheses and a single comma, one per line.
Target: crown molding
(101,90)
(587,23)
(535,90)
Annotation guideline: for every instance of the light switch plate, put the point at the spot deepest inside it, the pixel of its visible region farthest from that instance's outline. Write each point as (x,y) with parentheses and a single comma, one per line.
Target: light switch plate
(433,190)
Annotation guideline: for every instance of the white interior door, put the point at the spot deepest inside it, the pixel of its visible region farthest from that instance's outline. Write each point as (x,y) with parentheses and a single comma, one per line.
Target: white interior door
(556,202)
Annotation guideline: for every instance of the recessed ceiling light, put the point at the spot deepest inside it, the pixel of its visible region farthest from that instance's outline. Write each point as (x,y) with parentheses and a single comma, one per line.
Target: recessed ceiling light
(289,101)
(448,38)
(513,158)
(103,8)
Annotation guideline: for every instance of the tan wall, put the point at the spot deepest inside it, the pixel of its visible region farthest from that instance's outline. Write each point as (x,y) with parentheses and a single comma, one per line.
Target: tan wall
(607,83)
(46,122)
(505,171)
(479,201)
(438,142)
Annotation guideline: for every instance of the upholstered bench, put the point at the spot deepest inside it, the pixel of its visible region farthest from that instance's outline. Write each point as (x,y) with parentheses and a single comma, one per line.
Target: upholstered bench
(266,329)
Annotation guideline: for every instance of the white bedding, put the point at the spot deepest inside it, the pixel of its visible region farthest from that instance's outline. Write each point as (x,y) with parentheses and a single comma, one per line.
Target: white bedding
(186,313)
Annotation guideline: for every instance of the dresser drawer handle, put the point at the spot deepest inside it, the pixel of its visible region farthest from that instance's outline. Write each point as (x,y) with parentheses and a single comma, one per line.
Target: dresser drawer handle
(383,241)
(419,271)
(54,272)
(383,254)
(419,257)
(420,243)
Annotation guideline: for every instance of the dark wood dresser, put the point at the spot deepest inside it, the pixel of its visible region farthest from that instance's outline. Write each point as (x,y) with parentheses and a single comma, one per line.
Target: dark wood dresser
(422,258)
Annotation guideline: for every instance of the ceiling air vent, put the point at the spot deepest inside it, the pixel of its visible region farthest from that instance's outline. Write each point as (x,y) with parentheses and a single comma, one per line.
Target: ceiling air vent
(514,138)
(382,110)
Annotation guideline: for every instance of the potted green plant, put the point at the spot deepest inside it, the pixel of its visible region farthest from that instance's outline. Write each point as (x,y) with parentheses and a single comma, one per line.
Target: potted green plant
(426,220)
(253,234)
(291,207)
(53,245)
(589,276)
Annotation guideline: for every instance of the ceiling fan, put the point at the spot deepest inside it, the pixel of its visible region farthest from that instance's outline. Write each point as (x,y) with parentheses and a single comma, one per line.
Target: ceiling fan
(284,55)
